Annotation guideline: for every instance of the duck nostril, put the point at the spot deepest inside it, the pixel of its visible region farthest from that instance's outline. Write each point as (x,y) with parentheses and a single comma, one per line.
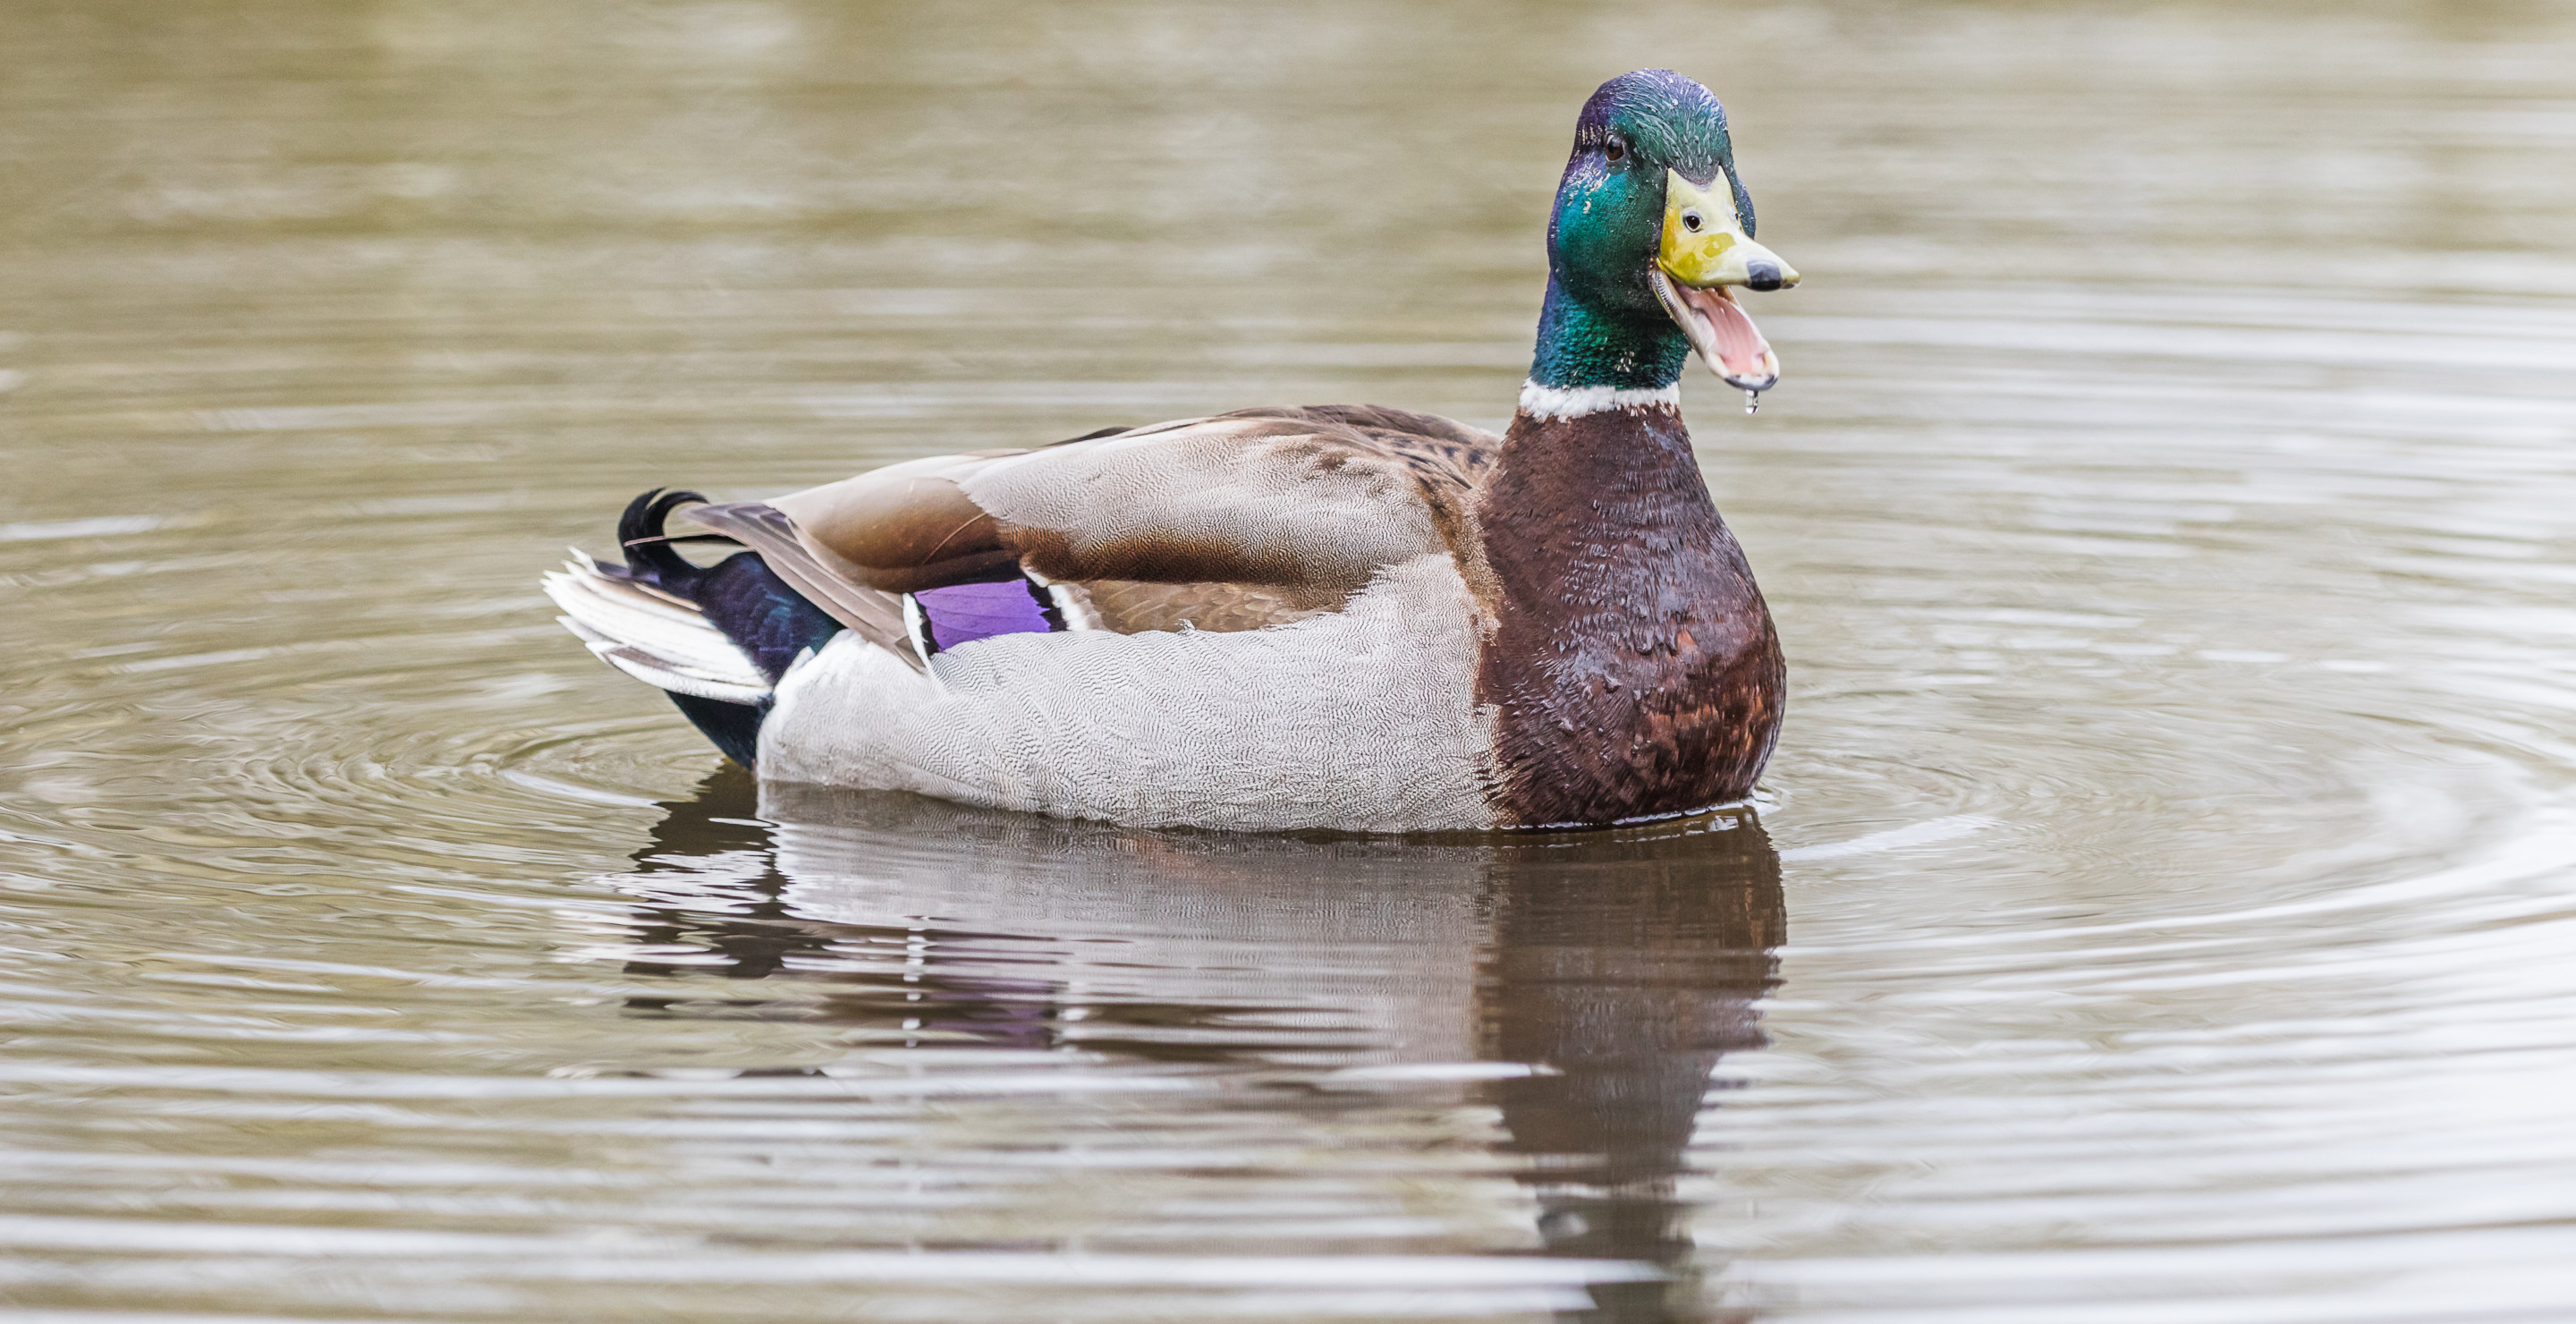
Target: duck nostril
(1762,275)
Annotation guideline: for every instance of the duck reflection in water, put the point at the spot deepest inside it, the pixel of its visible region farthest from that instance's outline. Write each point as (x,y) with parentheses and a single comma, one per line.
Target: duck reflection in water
(1583,986)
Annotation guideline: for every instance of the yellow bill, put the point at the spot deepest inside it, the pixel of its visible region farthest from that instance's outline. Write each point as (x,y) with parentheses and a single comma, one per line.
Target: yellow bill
(1704,254)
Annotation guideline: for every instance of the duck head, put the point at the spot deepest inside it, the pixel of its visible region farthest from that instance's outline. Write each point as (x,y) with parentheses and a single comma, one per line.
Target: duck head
(1651,237)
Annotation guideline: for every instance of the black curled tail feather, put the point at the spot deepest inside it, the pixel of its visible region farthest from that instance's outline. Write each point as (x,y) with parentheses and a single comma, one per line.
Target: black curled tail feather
(650,557)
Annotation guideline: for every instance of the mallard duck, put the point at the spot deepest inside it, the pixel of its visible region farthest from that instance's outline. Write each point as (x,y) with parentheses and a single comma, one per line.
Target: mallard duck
(1334,616)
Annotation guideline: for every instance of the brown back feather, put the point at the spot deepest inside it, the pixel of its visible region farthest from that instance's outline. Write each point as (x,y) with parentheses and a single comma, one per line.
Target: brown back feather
(1239,521)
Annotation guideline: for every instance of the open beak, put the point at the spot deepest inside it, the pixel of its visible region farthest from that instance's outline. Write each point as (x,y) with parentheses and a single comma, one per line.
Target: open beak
(1705,254)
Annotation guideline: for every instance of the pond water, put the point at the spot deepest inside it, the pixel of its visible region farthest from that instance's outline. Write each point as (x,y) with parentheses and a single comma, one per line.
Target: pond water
(2161,906)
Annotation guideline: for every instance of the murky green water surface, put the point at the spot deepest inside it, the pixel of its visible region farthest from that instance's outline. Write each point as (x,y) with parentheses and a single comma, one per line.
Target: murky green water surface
(2161,907)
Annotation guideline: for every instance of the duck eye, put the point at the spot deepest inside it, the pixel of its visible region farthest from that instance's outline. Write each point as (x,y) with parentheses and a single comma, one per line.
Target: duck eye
(1616,151)
(1690,221)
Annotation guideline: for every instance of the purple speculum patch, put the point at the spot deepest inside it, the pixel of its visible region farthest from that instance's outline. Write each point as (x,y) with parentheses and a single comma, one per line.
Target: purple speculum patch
(964,613)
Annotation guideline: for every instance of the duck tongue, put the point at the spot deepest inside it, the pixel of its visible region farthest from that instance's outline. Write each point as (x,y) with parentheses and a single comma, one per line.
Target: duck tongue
(1726,339)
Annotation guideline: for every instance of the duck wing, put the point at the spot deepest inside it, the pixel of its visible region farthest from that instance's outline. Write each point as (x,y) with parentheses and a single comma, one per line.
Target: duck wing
(1237,521)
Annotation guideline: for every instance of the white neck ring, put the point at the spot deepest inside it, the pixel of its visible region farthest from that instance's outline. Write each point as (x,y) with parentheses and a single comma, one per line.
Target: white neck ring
(1576,401)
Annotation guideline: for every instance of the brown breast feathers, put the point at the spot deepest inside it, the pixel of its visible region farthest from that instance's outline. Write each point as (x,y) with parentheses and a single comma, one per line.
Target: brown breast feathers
(1634,665)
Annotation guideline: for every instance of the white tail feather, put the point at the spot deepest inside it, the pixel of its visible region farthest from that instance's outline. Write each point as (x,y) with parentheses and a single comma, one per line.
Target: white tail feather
(653,636)
(652,671)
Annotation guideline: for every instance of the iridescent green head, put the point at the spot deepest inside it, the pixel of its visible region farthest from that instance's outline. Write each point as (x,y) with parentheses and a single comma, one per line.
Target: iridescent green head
(1652,230)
